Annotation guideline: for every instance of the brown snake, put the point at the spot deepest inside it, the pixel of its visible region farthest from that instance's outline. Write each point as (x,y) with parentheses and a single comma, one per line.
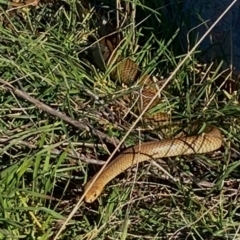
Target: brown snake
(128,71)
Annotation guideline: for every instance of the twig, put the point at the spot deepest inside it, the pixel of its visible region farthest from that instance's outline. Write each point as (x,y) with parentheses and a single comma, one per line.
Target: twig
(83,126)
(71,154)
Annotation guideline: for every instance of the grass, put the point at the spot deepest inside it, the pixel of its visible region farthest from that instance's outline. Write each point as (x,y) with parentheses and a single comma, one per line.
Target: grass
(45,161)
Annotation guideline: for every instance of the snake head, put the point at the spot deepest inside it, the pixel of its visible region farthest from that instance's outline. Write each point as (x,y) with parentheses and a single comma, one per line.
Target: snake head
(93,193)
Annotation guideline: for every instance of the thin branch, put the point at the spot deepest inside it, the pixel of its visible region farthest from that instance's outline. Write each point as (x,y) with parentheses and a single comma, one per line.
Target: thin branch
(71,154)
(83,126)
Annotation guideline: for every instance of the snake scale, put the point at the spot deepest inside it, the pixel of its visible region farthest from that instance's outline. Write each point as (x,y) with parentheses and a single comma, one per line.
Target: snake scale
(127,71)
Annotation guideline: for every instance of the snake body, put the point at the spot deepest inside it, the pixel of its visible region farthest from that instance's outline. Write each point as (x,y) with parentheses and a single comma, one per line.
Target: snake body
(127,71)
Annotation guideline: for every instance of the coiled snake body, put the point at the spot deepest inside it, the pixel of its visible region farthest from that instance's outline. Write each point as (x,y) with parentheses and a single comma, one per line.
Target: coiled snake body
(126,71)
